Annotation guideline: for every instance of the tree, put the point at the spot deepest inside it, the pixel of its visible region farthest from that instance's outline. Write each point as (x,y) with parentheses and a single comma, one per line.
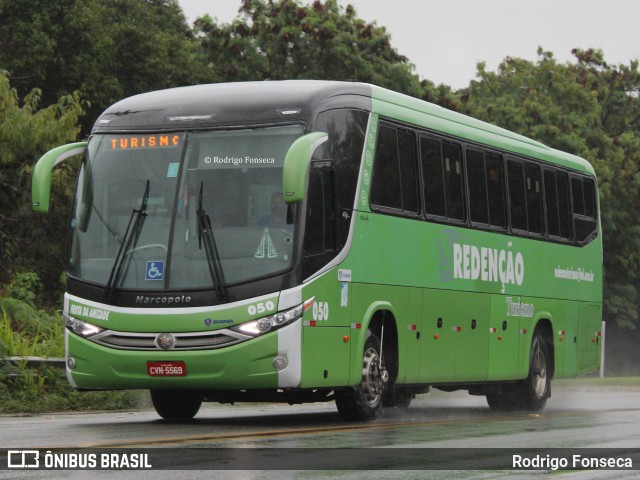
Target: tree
(591,109)
(287,40)
(30,242)
(105,49)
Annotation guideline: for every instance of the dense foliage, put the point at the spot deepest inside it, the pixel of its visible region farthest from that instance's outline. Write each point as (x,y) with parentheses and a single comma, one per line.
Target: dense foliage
(591,109)
(70,57)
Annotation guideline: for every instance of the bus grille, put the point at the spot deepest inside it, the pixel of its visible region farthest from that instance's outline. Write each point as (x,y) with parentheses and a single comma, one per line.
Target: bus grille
(183,341)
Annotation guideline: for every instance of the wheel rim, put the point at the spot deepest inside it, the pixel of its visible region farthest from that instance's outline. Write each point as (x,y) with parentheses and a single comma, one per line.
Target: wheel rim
(371,376)
(539,377)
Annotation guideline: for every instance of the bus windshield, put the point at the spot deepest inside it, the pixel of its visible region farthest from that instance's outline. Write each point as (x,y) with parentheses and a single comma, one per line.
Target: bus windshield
(197,210)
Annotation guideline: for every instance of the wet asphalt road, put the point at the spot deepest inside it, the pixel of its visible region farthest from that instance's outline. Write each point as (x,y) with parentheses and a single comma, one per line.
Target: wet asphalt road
(575,418)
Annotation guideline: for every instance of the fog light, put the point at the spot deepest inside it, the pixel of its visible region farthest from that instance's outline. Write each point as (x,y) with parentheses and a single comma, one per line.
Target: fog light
(280,363)
(264,325)
(71,363)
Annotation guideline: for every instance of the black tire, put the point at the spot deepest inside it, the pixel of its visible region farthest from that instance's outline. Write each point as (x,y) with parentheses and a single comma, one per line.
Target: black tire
(176,405)
(398,398)
(364,401)
(531,394)
(536,389)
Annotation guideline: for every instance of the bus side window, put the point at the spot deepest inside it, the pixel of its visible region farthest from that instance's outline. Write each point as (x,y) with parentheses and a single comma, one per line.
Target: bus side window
(534,198)
(319,244)
(564,205)
(486,188)
(551,202)
(452,163)
(478,202)
(495,189)
(556,197)
(431,150)
(515,174)
(442,175)
(395,171)
(584,208)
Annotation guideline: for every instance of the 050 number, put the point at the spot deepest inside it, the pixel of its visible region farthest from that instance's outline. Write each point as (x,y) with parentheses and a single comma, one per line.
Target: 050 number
(261,307)
(321,311)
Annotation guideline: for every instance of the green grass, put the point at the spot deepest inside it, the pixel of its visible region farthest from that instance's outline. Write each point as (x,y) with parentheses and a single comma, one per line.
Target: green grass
(27,332)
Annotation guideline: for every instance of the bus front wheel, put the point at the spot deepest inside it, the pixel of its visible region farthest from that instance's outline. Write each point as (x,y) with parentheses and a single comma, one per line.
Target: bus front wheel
(176,405)
(364,401)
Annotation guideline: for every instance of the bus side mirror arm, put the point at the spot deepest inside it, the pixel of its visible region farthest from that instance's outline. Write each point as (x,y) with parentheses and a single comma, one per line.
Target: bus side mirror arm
(296,165)
(41,177)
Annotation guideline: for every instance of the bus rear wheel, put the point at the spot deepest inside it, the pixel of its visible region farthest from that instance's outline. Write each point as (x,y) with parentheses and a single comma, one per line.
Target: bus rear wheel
(531,394)
(364,401)
(176,405)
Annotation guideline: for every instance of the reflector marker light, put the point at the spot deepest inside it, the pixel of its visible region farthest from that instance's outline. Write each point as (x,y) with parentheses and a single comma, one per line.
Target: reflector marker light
(412,327)
(357,326)
(457,329)
(523,331)
(562,332)
(493,330)
(307,305)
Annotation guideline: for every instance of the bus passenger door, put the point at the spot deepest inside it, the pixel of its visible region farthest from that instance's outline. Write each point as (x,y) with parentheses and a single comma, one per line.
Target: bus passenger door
(438,347)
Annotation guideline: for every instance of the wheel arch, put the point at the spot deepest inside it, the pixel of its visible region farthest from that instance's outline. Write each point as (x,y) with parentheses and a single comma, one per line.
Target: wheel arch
(544,326)
(379,314)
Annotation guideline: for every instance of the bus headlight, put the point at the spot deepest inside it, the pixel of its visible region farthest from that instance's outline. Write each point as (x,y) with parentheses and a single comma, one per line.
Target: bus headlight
(80,327)
(273,322)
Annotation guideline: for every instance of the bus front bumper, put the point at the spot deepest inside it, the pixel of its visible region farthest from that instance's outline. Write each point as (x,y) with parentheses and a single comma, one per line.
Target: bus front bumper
(245,365)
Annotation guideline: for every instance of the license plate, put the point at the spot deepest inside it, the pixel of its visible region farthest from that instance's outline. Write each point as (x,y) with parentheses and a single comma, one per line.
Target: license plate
(166,369)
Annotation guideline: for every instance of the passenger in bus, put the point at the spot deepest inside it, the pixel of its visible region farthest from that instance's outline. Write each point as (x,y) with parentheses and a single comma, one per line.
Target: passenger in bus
(278,217)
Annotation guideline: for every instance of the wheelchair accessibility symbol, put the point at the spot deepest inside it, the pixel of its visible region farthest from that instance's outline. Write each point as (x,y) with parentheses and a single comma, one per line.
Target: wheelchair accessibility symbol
(155,270)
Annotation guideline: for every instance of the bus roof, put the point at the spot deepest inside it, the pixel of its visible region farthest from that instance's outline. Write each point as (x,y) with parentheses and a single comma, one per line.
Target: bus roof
(433,117)
(258,103)
(232,105)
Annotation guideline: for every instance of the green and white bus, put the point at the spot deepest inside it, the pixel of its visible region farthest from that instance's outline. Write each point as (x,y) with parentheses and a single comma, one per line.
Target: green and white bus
(304,241)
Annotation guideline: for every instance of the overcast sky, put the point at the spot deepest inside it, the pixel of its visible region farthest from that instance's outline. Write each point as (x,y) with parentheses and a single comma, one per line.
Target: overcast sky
(445,39)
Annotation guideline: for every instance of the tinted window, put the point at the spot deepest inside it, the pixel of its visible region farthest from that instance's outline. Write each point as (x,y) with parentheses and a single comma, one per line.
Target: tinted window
(408,170)
(346,129)
(395,172)
(386,190)
(331,192)
(442,172)
(478,202)
(564,205)
(486,188)
(534,197)
(556,194)
(515,175)
(495,189)
(452,166)
(584,207)
(551,202)
(431,150)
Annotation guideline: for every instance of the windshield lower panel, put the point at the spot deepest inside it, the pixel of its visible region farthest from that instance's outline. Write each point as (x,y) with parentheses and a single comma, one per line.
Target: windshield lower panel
(213,214)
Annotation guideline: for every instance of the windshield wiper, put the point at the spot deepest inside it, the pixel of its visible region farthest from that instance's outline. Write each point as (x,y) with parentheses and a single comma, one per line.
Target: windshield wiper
(205,235)
(131,234)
